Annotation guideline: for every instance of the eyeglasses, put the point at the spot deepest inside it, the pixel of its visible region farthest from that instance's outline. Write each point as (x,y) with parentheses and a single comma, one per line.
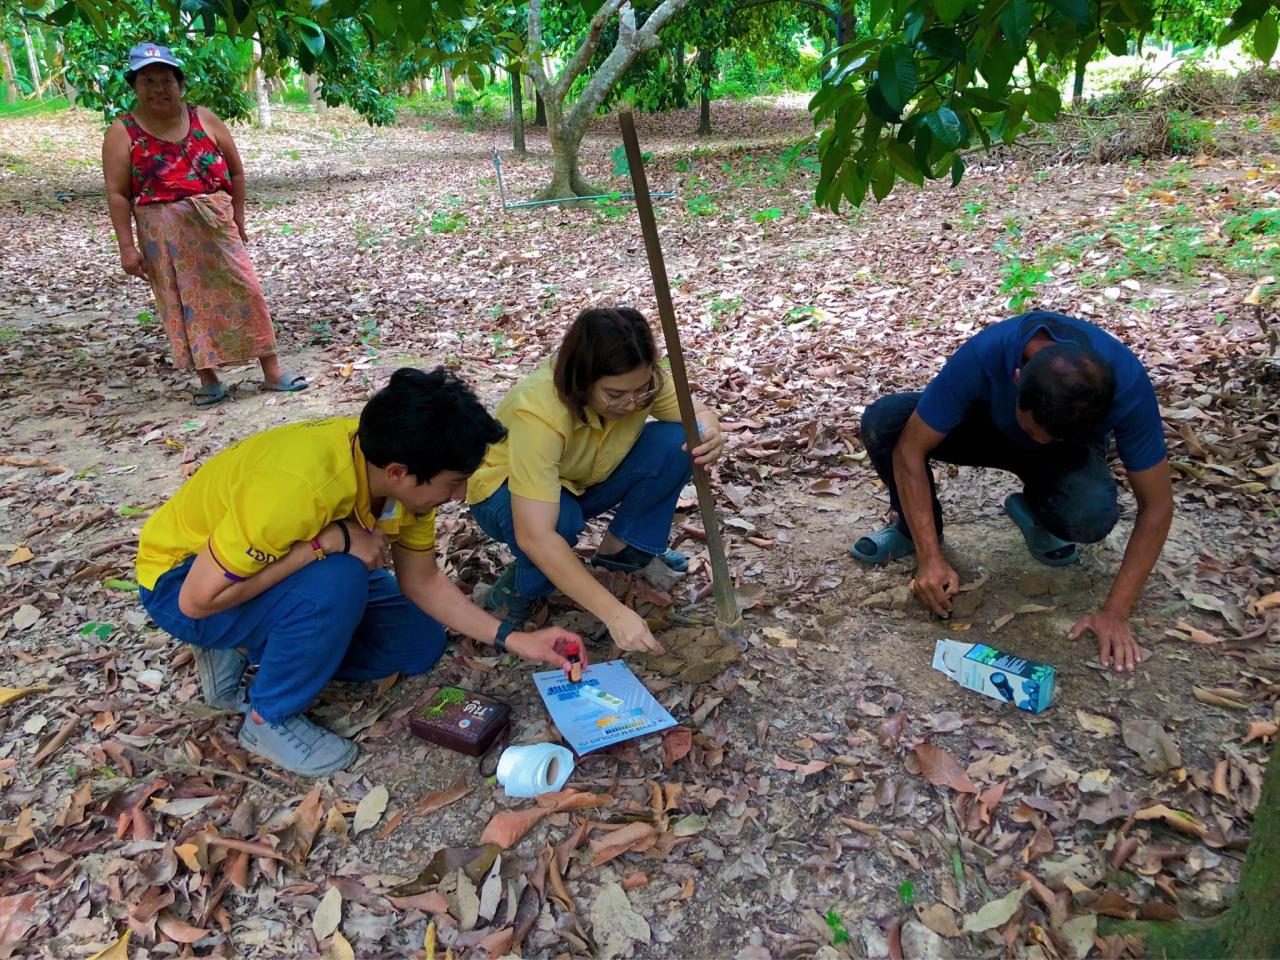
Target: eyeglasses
(635,400)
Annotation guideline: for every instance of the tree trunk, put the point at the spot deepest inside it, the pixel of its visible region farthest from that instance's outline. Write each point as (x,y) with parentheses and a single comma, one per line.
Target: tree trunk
(845,22)
(529,91)
(60,61)
(10,75)
(567,181)
(517,113)
(539,110)
(313,93)
(260,86)
(1077,88)
(680,77)
(33,63)
(450,90)
(706,67)
(1251,928)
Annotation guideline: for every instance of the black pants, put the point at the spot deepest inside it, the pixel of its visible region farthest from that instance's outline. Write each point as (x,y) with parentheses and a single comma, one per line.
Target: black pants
(1068,486)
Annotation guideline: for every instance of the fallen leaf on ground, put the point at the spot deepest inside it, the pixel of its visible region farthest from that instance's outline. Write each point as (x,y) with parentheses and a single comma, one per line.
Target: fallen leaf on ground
(498,943)
(996,913)
(1149,741)
(180,931)
(1220,698)
(942,769)
(19,555)
(676,744)
(442,798)
(614,923)
(1080,932)
(1264,603)
(1195,634)
(1095,723)
(19,914)
(1177,819)
(892,729)
(9,694)
(338,949)
(939,918)
(26,617)
(369,811)
(117,951)
(507,828)
(328,914)
(1262,730)
(801,770)
(428,902)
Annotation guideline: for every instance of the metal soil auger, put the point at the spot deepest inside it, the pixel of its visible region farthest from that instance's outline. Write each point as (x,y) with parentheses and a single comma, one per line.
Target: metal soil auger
(728,615)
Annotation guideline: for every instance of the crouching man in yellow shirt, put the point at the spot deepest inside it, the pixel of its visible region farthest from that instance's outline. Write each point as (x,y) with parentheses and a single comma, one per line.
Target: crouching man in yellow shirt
(273,553)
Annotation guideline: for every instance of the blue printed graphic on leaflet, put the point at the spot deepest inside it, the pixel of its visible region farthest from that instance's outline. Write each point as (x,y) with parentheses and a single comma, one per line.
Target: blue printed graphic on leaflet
(608,706)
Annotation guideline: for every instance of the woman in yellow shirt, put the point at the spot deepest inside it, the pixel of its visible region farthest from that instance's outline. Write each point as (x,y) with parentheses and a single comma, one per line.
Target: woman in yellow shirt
(579,443)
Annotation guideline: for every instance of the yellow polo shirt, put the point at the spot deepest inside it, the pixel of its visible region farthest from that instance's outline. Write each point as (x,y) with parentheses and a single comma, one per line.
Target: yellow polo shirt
(547,448)
(253,501)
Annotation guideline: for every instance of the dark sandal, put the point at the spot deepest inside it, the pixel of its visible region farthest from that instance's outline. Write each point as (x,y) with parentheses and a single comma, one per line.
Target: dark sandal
(1044,546)
(883,546)
(207,396)
(288,383)
(626,560)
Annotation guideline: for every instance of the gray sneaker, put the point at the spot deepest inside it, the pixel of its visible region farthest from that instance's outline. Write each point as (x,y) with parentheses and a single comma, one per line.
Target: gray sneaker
(220,674)
(298,745)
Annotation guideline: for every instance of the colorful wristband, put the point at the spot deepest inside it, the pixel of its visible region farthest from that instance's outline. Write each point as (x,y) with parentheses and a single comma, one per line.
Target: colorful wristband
(317,549)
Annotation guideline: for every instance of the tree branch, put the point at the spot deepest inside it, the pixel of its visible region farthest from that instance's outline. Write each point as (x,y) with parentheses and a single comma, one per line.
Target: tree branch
(536,68)
(631,43)
(582,56)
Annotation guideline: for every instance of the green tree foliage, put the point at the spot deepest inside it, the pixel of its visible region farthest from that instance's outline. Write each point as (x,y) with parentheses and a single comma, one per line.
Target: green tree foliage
(934,79)
(96,64)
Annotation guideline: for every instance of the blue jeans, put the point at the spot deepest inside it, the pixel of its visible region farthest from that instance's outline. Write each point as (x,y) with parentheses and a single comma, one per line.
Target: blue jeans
(644,488)
(1068,486)
(332,620)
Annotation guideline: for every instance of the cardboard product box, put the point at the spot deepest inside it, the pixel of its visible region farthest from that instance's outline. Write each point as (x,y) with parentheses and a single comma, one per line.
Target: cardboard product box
(1024,683)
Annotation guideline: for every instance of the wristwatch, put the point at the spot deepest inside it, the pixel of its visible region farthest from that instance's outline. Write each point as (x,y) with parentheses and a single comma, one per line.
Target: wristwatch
(505,629)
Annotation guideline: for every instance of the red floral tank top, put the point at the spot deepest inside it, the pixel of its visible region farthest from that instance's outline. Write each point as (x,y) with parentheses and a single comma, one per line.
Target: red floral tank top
(164,171)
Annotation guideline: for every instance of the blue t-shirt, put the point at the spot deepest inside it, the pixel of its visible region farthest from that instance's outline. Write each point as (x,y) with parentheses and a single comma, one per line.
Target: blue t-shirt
(980,373)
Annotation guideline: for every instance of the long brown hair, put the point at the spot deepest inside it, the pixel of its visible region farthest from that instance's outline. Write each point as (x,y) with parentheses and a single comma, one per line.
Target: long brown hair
(603,342)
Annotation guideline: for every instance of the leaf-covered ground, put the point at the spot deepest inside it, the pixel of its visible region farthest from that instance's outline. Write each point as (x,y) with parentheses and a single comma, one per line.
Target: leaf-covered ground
(828,792)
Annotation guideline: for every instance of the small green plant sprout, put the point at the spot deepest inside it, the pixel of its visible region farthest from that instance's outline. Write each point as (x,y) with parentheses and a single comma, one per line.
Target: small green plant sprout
(701,206)
(609,205)
(767,215)
(145,318)
(621,168)
(803,314)
(839,934)
(447,221)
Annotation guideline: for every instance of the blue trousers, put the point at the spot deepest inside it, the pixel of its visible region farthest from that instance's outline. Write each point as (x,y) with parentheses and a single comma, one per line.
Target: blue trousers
(644,488)
(1068,486)
(332,620)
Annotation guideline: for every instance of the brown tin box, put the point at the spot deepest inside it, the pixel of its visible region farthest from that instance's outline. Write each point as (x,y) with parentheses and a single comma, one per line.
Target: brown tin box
(461,720)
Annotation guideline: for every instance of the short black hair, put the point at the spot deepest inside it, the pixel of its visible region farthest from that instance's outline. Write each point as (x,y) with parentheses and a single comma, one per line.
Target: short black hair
(1067,389)
(430,422)
(603,342)
(132,75)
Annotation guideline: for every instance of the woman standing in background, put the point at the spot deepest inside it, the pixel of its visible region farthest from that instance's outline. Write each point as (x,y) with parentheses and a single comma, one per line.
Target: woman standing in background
(176,169)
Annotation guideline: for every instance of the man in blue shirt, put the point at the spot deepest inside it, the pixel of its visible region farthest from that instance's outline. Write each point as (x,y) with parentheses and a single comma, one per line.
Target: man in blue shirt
(1038,395)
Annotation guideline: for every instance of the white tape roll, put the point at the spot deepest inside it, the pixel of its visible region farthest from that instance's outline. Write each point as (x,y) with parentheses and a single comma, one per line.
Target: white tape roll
(532,769)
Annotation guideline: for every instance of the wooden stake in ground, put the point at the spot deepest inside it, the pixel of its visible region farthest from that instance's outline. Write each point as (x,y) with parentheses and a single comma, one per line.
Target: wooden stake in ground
(728,616)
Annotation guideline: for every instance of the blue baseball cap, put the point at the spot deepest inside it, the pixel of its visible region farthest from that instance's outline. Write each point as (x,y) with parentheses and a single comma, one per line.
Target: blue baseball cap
(145,54)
